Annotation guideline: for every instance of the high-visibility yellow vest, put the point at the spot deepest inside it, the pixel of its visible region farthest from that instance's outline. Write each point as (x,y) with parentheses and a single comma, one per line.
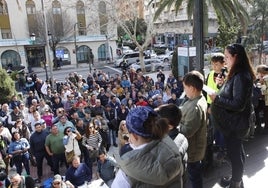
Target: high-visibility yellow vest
(212,84)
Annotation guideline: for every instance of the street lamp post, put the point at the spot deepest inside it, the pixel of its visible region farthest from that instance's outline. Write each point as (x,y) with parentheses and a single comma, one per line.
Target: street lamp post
(45,67)
(107,49)
(32,37)
(48,60)
(75,46)
(53,44)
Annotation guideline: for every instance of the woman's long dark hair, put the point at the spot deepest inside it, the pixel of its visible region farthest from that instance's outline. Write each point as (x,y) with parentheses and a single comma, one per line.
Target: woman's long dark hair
(87,131)
(242,62)
(13,139)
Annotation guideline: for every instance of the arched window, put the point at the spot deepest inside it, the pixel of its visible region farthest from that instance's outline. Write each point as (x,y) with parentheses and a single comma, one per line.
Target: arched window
(3,8)
(30,7)
(102,52)
(80,9)
(10,57)
(4,21)
(103,18)
(31,17)
(81,19)
(56,7)
(83,54)
(56,20)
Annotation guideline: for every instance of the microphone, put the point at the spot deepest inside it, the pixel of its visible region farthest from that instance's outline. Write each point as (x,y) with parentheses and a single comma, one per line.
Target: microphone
(223,70)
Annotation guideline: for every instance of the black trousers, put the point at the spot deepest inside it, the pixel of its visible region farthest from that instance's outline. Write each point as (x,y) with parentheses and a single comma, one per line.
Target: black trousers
(57,159)
(39,162)
(236,154)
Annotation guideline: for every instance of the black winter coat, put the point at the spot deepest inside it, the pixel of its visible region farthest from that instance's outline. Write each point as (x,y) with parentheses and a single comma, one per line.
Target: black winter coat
(232,106)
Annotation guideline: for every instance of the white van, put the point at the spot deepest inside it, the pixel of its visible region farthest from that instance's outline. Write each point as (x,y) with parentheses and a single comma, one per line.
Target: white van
(129,57)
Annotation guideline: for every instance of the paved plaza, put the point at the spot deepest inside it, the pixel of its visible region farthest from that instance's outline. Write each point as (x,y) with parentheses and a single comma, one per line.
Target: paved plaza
(256,170)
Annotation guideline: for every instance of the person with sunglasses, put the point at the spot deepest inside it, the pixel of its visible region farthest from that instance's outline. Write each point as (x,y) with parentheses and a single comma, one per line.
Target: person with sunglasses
(70,141)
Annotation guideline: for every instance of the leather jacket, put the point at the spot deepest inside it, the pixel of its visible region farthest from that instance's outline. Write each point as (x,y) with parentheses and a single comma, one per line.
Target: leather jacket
(235,100)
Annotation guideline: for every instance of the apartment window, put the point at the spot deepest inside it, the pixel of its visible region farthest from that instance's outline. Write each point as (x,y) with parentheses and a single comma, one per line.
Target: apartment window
(3,8)
(80,9)
(103,18)
(56,7)
(30,7)
(6,34)
(56,10)
(30,10)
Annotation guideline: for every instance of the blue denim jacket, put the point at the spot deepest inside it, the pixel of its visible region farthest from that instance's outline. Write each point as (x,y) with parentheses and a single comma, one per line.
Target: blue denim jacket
(19,145)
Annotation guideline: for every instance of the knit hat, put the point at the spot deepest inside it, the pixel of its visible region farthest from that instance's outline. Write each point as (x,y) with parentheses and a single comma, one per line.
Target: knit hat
(135,119)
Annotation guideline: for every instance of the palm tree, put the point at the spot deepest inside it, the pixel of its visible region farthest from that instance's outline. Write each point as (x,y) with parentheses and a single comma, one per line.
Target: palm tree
(226,10)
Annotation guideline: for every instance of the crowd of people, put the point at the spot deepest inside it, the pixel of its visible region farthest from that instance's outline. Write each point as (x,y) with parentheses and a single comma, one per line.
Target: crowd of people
(160,135)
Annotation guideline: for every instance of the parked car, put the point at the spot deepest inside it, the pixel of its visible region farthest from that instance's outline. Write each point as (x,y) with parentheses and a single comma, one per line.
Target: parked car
(123,50)
(129,58)
(127,49)
(160,45)
(167,57)
(151,54)
(150,65)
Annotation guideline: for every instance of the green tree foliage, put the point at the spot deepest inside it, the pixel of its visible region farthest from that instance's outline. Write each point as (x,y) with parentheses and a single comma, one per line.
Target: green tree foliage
(139,31)
(7,87)
(227,33)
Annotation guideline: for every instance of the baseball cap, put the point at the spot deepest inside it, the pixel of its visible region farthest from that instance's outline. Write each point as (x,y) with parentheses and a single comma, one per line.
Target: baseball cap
(57,177)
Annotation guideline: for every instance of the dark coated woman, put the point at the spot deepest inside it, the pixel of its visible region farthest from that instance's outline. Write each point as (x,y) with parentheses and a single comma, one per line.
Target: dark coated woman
(232,107)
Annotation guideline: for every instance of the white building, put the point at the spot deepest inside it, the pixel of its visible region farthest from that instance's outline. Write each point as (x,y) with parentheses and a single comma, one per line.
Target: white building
(175,28)
(85,23)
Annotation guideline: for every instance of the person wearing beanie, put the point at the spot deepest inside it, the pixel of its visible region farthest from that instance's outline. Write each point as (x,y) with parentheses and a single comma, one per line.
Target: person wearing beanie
(155,160)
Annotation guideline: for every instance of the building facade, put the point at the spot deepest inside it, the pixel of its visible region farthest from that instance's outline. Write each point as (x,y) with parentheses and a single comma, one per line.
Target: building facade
(35,32)
(172,29)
